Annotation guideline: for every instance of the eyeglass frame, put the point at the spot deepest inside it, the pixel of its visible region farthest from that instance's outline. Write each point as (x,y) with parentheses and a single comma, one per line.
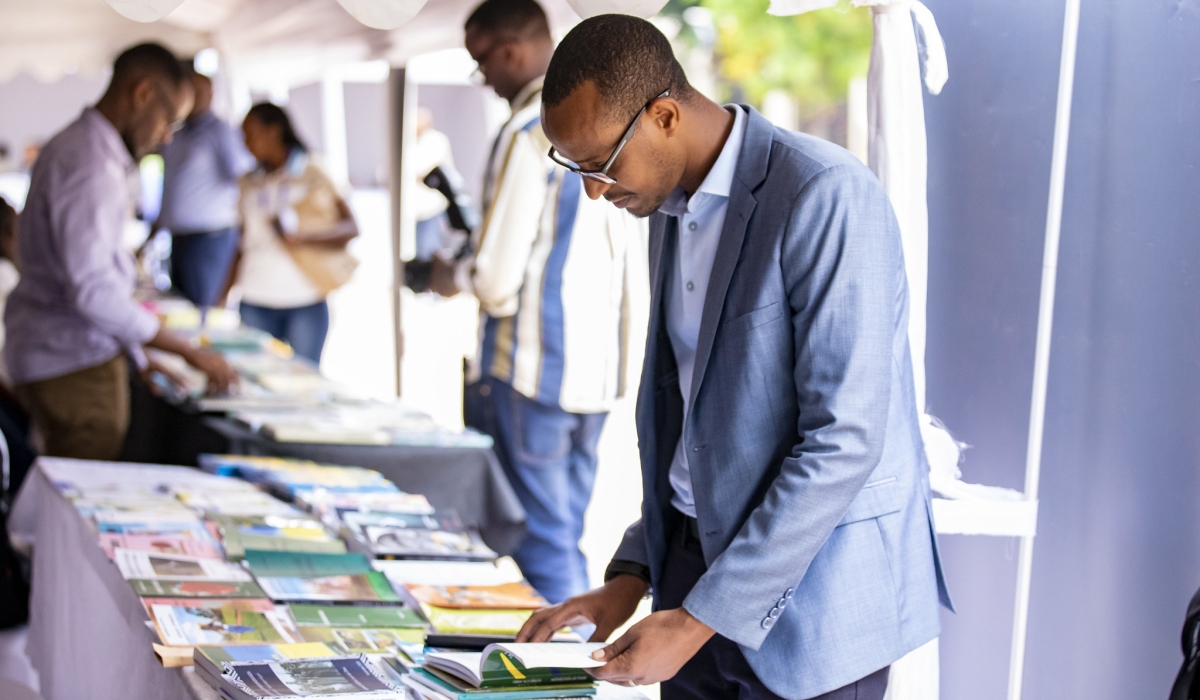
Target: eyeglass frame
(165,101)
(602,175)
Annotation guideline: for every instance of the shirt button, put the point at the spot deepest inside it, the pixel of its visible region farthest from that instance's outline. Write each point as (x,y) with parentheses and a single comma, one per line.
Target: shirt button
(690,286)
(692,226)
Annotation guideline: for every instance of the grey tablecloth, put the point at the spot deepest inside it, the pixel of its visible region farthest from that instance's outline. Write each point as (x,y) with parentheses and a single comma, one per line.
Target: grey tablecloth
(470,480)
(87,630)
(88,638)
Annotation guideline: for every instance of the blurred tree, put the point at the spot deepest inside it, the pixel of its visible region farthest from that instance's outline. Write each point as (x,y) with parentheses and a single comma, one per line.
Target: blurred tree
(812,56)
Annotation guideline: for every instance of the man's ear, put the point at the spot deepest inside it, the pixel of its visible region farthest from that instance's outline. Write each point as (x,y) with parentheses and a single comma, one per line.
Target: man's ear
(142,94)
(666,113)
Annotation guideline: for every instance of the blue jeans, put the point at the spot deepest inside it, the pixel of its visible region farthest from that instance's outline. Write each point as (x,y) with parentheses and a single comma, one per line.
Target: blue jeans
(303,327)
(549,456)
(200,264)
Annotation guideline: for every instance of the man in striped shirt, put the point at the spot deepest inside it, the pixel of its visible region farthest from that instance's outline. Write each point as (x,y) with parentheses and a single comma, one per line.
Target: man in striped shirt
(562,285)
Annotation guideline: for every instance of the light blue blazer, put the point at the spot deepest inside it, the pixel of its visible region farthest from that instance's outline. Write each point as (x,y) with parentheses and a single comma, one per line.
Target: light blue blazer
(810,481)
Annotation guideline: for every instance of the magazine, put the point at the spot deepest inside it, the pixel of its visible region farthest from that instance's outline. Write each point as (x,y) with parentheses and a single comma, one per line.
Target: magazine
(146,565)
(182,544)
(351,676)
(512,665)
(510,596)
(160,588)
(181,622)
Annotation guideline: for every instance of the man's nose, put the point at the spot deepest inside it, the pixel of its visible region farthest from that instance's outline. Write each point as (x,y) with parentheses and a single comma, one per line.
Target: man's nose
(594,188)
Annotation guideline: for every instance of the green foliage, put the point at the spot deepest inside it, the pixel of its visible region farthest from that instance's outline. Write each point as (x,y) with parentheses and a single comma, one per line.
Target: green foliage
(812,56)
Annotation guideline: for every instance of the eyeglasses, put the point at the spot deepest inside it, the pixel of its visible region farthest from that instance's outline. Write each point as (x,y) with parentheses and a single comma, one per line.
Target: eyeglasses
(477,75)
(168,104)
(602,175)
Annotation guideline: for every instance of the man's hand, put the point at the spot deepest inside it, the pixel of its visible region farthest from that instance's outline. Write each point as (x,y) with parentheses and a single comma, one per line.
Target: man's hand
(653,650)
(220,374)
(441,277)
(153,367)
(607,607)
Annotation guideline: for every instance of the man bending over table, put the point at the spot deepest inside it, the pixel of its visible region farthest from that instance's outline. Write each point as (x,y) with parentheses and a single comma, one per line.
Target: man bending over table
(73,325)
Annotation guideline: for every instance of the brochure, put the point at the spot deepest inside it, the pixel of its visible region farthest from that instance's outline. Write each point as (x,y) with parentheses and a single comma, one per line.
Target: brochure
(145,565)
(181,622)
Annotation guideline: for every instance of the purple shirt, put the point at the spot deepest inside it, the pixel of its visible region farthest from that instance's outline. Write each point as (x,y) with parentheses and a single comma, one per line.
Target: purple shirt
(74,306)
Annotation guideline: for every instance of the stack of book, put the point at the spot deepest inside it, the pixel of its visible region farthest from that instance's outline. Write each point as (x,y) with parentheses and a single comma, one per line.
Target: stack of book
(506,672)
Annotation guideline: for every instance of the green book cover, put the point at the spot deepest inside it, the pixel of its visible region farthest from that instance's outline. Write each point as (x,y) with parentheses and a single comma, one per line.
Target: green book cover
(501,669)
(157,588)
(360,640)
(512,665)
(306,564)
(445,684)
(216,655)
(373,617)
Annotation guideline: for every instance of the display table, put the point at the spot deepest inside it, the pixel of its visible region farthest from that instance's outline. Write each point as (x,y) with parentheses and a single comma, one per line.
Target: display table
(88,637)
(87,629)
(467,479)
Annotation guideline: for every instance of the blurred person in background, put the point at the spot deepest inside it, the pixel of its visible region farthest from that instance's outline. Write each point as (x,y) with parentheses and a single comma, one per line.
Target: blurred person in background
(432,151)
(201,167)
(72,322)
(561,281)
(8,269)
(295,229)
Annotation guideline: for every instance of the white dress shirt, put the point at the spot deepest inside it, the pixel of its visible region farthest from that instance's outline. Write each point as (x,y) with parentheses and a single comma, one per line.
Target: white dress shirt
(700,220)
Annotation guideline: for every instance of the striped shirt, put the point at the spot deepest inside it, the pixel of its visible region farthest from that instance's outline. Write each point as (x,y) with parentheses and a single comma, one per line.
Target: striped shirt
(562,280)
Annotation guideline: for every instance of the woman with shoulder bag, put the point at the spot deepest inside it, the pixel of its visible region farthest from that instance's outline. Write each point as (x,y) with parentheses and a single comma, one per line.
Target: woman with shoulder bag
(295,230)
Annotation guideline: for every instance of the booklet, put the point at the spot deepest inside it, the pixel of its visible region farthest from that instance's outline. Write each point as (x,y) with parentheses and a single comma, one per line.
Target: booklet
(460,621)
(309,577)
(360,616)
(208,659)
(450,573)
(407,543)
(512,665)
(359,640)
(171,567)
(277,533)
(180,544)
(182,622)
(159,588)
(344,677)
(431,684)
(510,596)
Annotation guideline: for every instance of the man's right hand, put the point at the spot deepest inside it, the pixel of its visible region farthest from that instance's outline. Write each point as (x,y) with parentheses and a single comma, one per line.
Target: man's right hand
(607,607)
(220,374)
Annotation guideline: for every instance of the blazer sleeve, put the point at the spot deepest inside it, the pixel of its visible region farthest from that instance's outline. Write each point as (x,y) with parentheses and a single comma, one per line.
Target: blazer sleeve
(843,271)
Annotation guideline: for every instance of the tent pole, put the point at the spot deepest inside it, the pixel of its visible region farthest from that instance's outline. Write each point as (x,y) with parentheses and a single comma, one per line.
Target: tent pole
(1041,364)
(401,129)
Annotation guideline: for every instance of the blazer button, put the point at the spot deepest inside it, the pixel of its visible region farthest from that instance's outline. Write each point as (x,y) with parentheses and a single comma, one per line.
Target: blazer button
(789,593)
(774,613)
(768,623)
(783,602)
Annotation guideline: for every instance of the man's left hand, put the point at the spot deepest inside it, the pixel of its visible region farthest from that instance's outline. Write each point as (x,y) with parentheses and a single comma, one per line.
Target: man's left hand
(653,650)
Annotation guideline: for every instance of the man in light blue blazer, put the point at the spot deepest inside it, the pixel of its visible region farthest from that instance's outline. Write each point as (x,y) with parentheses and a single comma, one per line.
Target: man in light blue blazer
(786,529)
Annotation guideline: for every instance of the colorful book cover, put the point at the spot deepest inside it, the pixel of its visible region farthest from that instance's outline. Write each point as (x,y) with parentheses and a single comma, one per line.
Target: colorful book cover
(182,622)
(359,640)
(511,596)
(178,544)
(404,542)
(264,563)
(147,565)
(356,616)
(275,533)
(159,588)
(424,679)
(214,656)
(458,621)
(371,587)
(338,675)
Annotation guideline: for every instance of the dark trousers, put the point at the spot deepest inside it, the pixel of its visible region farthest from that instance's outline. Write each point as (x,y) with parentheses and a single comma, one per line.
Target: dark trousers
(549,456)
(303,327)
(719,669)
(200,264)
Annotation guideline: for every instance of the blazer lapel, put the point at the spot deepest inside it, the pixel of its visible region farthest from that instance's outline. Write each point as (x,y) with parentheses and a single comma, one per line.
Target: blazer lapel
(751,171)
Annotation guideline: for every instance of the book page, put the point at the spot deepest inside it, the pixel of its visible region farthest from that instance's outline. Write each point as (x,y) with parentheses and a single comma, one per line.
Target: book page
(553,654)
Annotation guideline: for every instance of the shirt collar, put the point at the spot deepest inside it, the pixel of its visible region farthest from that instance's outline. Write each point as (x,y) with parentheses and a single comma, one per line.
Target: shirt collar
(528,94)
(719,180)
(110,136)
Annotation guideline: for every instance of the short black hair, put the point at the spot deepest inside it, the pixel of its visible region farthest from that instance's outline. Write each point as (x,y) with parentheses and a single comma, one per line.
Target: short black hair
(148,59)
(270,114)
(514,18)
(8,223)
(628,59)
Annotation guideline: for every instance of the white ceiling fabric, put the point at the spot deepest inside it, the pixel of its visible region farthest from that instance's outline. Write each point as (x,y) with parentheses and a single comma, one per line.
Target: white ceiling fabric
(49,38)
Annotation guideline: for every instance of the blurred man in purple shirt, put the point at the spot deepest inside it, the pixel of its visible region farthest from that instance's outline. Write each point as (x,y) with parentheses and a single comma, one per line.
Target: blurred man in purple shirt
(201,167)
(72,322)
